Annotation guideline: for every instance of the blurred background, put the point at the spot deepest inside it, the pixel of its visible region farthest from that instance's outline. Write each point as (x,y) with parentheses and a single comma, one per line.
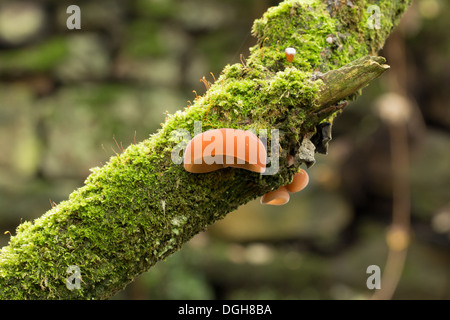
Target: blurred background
(70,99)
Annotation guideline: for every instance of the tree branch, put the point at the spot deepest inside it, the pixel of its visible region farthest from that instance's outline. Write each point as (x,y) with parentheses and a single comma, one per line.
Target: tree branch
(142,205)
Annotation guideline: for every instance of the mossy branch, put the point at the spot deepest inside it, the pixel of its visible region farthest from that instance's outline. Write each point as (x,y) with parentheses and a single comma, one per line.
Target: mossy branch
(346,81)
(142,205)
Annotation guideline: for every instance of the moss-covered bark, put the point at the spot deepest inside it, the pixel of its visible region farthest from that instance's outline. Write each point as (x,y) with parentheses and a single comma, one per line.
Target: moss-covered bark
(141,206)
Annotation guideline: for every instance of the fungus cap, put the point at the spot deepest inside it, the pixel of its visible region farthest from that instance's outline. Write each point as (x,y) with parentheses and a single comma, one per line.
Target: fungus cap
(277,197)
(299,182)
(220,148)
(281,195)
(290,53)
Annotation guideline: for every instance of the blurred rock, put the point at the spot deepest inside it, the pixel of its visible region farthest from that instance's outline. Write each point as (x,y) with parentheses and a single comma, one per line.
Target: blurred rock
(312,214)
(21,22)
(87,59)
(199,15)
(41,57)
(155,72)
(95,16)
(22,147)
(430,175)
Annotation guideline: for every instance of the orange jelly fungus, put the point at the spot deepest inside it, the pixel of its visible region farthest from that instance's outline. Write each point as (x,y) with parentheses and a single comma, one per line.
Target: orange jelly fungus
(221,148)
(281,195)
(299,182)
(277,197)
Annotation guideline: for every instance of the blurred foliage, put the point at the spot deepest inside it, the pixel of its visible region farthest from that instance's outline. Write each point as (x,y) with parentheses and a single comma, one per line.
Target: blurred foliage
(69,99)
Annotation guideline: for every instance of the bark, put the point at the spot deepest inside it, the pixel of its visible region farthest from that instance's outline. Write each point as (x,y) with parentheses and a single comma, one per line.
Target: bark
(142,205)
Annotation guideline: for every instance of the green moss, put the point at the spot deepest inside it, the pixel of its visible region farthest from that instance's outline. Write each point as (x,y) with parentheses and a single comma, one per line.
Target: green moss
(152,46)
(305,26)
(42,57)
